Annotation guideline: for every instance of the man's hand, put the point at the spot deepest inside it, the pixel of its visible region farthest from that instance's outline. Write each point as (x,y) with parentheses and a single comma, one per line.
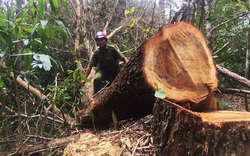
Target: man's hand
(83,83)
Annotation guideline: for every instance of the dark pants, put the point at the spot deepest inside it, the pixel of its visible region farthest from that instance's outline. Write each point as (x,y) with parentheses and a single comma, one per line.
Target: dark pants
(100,78)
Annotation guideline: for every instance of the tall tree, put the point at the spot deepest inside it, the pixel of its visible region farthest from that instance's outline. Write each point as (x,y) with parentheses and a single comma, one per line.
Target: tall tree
(247,73)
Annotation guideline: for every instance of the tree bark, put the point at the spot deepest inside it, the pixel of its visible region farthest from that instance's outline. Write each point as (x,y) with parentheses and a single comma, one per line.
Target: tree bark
(245,82)
(128,96)
(178,131)
(247,72)
(176,60)
(162,12)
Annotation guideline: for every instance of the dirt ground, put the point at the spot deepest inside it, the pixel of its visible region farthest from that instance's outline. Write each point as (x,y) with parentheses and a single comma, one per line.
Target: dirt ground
(235,103)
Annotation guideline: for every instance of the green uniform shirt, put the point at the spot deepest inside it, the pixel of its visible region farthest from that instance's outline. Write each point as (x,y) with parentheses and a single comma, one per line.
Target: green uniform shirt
(107,59)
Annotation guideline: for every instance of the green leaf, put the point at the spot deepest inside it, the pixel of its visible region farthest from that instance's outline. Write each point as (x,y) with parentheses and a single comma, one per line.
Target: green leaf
(25,42)
(62,26)
(34,28)
(49,33)
(44,23)
(41,7)
(86,79)
(126,12)
(65,6)
(132,10)
(5,38)
(223,105)
(54,6)
(55,3)
(156,85)
(159,93)
(69,71)
(1,84)
(58,64)
(63,31)
(44,59)
(133,22)
(27,53)
(4,51)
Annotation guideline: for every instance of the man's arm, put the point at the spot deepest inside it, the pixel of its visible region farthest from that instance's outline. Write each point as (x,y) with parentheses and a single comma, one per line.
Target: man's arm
(88,70)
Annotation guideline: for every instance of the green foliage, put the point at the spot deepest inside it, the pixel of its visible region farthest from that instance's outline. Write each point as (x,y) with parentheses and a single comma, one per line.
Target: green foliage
(130,11)
(224,106)
(62,95)
(159,93)
(132,25)
(25,50)
(234,32)
(41,61)
(41,6)
(32,37)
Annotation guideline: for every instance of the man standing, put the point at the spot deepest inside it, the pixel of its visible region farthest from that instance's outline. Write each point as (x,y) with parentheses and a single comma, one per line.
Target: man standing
(106,59)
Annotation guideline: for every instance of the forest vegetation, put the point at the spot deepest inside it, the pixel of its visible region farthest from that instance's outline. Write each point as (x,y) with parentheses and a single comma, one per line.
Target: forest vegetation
(45,46)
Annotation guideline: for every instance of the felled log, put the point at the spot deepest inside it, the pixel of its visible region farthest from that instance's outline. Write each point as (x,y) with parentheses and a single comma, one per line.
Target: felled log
(176,60)
(178,131)
(129,96)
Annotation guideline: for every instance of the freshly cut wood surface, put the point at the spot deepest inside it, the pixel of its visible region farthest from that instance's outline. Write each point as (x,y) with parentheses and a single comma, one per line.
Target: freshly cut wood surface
(179,61)
(224,116)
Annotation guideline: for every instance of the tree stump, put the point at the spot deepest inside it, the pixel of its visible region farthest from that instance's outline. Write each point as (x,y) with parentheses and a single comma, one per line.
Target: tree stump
(178,131)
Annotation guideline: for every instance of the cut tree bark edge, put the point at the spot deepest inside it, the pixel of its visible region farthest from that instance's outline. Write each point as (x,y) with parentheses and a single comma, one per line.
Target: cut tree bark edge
(177,130)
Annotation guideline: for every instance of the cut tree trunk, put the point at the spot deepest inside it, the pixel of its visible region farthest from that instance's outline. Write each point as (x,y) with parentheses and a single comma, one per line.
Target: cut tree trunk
(176,60)
(178,131)
(129,96)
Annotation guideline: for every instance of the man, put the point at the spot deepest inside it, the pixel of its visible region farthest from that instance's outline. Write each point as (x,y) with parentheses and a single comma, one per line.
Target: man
(106,59)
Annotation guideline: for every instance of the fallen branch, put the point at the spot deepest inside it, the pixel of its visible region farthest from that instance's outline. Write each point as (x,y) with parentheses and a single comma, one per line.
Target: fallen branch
(56,143)
(233,91)
(41,96)
(233,76)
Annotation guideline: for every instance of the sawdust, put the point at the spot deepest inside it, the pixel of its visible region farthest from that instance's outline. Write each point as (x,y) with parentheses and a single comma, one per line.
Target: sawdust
(91,145)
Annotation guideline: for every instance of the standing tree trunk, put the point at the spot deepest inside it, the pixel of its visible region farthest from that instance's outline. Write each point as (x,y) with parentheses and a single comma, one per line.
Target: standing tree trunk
(77,33)
(162,12)
(247,74)
(208,10)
